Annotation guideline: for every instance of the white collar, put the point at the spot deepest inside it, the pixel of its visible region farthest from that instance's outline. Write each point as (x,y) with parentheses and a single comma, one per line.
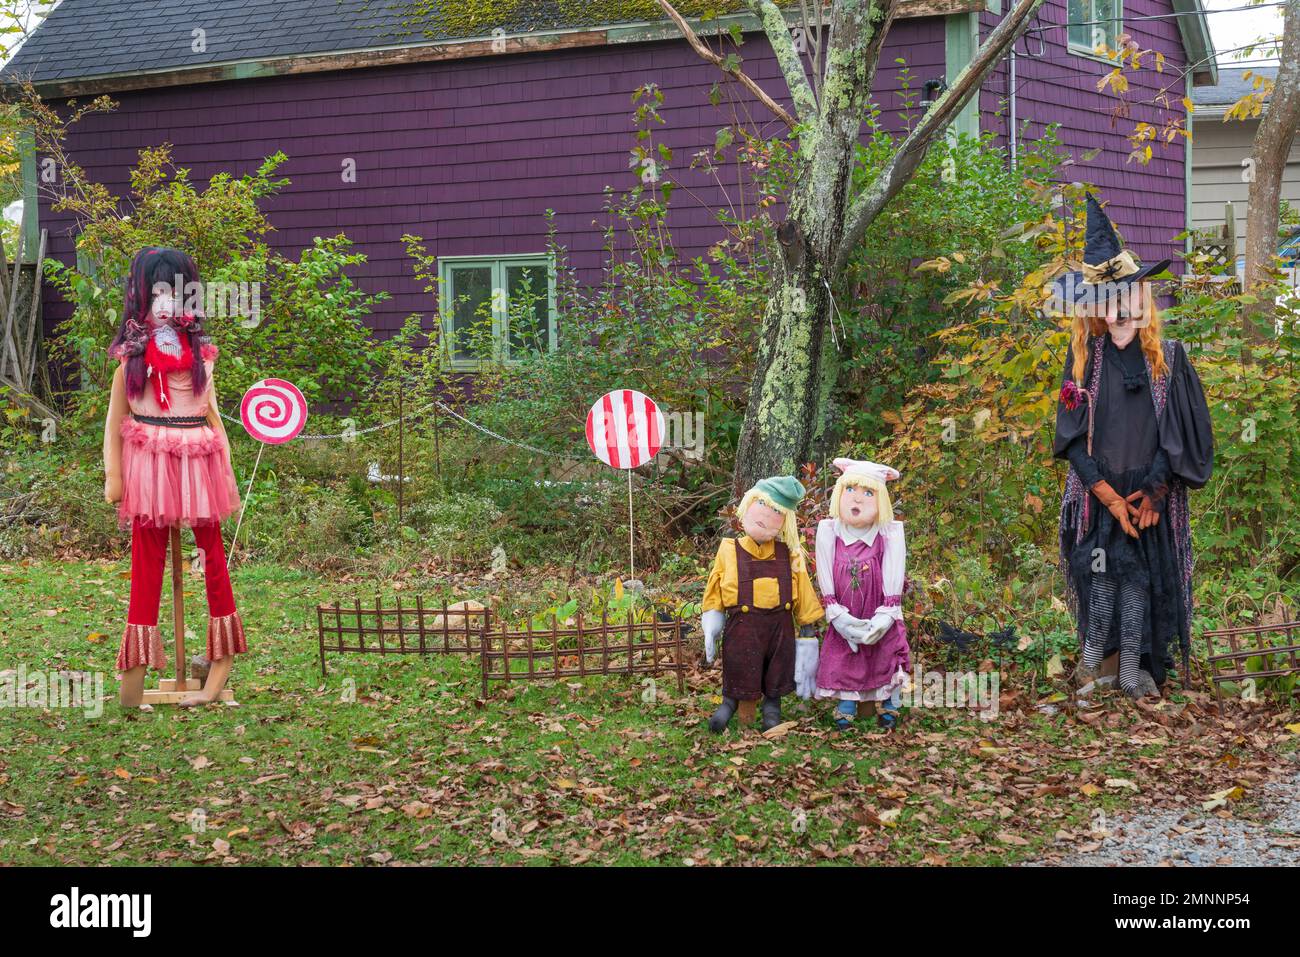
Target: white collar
(848,534)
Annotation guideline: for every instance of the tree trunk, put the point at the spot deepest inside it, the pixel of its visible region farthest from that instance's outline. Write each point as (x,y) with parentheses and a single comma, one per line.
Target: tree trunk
(796,368)
(1272,148)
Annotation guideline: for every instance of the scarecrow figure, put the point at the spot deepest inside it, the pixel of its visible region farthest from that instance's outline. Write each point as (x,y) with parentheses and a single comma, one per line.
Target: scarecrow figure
(167,464)
(1133,423)
(757,591)
(861,564)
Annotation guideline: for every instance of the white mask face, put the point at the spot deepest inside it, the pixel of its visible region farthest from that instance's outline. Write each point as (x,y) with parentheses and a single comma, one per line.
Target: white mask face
(858,506)
(761,523)
(166,304)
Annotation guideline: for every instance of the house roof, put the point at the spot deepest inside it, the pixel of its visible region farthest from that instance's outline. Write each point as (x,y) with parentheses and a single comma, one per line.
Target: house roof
(104,45)
(1232,86)
(81,39)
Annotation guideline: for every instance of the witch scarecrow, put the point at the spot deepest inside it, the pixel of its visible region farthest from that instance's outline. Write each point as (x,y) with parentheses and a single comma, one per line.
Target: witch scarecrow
(1133,423)
(757,593)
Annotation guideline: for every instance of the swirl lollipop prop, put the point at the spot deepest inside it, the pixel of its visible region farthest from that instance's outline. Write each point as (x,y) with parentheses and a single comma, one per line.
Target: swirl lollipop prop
(274,412)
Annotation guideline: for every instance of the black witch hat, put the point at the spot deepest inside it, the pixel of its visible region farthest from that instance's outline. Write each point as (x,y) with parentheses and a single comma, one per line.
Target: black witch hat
(1107,265)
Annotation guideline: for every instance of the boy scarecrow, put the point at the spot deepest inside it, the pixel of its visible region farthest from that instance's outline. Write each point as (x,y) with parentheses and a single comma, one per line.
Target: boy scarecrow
(758,591)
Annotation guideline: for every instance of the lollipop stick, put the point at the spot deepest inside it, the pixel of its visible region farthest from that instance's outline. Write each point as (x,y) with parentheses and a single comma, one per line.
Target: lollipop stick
(261,447)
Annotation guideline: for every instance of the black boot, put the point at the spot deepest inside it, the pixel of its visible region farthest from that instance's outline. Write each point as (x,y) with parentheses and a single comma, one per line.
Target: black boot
(722,717)
(771,713)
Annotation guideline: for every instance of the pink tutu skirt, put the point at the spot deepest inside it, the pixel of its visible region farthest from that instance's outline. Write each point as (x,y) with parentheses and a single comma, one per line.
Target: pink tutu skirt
(175,476)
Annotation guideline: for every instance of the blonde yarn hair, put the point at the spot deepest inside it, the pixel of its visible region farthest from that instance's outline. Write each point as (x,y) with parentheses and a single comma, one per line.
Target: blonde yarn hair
(884,506)
(789,524)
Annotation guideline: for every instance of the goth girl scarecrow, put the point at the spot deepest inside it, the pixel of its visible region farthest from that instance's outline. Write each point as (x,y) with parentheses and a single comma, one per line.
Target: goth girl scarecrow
(861,558)
(757,591)
(167,463)
(1133,423)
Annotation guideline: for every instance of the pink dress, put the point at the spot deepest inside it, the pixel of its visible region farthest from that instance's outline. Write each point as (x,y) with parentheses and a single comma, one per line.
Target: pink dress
(865,576)
(174,476)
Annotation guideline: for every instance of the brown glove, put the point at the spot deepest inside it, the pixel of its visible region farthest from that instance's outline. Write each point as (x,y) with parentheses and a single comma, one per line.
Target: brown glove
(1115,505)
(1145,513)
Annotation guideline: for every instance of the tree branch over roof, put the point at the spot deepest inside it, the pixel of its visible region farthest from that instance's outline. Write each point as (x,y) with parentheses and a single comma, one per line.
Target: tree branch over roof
(702,48)
(910,153)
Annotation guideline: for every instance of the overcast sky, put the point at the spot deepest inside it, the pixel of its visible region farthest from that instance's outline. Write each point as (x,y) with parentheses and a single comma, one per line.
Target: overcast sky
(1230,30)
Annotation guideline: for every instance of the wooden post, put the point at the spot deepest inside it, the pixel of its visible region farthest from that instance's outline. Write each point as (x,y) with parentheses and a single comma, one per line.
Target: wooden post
(172,690)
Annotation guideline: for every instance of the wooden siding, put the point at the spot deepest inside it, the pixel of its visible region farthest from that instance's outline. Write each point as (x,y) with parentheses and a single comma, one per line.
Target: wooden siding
(468,154)
(1055,85)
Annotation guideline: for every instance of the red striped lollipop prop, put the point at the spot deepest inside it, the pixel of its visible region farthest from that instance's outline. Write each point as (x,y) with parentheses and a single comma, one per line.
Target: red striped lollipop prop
(625,428)
(273,411)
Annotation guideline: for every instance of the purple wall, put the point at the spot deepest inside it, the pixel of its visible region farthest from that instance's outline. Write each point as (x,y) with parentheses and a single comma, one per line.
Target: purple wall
(1147,202)
(468,154)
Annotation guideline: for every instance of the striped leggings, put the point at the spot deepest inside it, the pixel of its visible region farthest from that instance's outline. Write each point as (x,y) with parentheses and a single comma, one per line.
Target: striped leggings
(1132,616)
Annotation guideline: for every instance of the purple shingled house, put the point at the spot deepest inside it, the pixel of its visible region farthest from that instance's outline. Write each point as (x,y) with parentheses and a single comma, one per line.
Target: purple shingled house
(464,130)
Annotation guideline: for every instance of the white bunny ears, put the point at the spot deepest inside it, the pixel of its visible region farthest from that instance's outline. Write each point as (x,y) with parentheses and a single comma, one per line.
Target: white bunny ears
(884,473)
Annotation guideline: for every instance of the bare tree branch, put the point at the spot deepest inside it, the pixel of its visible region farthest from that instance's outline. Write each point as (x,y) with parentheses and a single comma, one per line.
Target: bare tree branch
(778,35)
(912,150)
(700,47)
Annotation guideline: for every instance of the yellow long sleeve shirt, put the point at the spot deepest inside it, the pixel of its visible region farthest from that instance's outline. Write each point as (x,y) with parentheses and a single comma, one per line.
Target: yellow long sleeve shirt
(721,591)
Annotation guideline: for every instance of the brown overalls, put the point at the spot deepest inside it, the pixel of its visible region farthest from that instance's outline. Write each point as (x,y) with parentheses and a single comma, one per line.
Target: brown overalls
(758,643)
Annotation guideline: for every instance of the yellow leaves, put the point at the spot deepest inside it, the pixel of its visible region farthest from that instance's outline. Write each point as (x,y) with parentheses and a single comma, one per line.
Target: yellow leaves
(1188,105)
(941,265)
(1248,107)
(95,637)
(122,773)
(1294,728)
(1116,80)
(1090,790)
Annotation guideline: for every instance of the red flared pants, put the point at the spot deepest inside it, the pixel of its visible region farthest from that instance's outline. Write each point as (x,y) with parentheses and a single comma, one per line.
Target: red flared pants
(142,643)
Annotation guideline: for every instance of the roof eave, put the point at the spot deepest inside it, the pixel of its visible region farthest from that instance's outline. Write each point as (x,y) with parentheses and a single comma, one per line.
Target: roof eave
(1195,31)
(431,50)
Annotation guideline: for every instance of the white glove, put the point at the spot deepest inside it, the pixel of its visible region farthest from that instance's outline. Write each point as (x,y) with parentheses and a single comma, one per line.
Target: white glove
(711,623)
(805,667)
(880,623)
(853,632)
(838,614)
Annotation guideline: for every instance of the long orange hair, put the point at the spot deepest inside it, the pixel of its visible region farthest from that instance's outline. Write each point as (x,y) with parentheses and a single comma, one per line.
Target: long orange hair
(1084,325)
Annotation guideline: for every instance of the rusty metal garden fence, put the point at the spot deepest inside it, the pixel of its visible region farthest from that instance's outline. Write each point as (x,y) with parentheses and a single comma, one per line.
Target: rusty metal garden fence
(587,648)
(401,630)
(1253,653)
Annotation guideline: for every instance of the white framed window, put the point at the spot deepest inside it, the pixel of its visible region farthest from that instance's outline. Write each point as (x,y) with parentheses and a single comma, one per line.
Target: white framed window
(1094,25)
(502,307)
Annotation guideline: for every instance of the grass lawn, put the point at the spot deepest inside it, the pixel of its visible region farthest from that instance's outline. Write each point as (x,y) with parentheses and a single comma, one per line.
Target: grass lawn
(397,760)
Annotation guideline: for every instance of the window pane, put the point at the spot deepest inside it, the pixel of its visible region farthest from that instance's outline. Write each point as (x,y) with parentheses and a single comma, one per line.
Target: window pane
(1077,12)
(471,297)
(529,309)
(1107,10)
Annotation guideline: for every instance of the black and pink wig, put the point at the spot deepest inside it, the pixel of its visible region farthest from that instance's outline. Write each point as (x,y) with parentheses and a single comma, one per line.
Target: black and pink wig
(151,266)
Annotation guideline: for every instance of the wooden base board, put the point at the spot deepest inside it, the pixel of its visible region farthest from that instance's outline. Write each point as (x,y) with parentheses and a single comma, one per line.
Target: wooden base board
(167,692)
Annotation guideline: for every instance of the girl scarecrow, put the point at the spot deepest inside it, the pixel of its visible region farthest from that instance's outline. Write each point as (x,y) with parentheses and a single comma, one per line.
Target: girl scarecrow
(861,562)
(167,464)
(757,591)
(1133,423)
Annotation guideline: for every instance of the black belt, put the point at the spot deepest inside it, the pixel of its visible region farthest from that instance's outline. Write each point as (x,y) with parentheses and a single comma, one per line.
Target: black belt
(173,422)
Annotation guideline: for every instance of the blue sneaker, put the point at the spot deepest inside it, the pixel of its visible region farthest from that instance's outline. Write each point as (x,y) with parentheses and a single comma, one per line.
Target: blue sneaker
(889,713)
(845,712)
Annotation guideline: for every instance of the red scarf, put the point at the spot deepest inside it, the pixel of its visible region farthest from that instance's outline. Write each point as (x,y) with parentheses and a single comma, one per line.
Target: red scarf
(158,364)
